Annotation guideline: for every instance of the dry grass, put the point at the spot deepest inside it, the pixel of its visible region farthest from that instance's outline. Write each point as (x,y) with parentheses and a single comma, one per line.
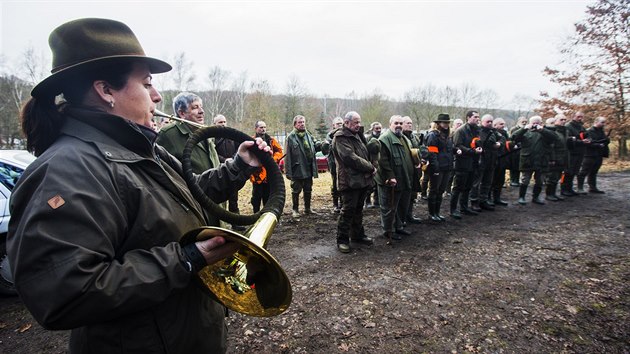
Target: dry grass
(321,194)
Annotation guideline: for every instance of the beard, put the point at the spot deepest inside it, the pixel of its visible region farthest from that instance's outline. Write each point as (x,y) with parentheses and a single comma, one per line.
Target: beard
(398,131)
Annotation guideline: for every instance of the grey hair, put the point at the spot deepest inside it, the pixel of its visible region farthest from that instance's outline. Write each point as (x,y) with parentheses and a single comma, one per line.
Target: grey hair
(498,120)
(486,116)
(349,116)
(535,119)
(375,124)
(183,101)
(257,124)
(391,119)
(214,120)
(298,117)
(550,121)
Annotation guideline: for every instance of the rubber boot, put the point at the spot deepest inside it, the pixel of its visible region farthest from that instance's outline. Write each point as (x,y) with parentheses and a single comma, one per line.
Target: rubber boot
(296,205)
(554,189)
(463,204)
(592,185)
(474,206)
(438,205)
(550,192)
(453,204)
(307,204)
(432,212)
(497,198)
(580,183)
(536,198)
(567,186)
(522,190)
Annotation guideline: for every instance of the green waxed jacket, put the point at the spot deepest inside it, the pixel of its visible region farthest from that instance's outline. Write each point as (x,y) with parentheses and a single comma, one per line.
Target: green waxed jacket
(173,138)
(296,163)
(559,149)
(204,156)
(93,241)
(395,161)
(535,146)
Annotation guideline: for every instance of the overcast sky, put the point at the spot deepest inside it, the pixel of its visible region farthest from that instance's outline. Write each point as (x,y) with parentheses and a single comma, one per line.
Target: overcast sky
(332,47)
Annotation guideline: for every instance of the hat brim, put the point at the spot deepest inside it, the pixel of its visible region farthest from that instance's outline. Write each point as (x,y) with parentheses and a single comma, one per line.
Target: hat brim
(54,83)
(442,121)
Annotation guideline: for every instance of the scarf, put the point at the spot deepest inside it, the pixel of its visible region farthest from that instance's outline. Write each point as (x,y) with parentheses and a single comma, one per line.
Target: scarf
(307,147)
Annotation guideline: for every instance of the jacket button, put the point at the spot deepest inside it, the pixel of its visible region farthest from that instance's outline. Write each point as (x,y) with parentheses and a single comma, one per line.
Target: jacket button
(108,154)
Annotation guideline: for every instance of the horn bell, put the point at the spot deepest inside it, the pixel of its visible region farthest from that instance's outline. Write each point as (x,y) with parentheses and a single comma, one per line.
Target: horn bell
(251,281)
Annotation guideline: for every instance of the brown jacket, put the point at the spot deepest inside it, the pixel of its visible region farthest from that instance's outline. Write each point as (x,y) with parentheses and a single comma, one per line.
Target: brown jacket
(354,169)
(93,240)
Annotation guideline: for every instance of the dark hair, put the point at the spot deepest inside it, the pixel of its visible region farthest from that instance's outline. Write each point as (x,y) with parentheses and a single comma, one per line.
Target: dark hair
(470,113)
(43,116)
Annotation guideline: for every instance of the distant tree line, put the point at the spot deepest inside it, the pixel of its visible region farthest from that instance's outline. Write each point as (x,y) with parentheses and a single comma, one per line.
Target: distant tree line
(593,75)
(244,100)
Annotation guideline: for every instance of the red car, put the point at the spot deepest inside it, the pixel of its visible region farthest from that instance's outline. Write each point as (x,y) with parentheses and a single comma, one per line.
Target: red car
(322,162)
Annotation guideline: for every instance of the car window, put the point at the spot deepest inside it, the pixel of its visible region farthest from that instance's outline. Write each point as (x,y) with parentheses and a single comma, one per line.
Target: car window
(9,175)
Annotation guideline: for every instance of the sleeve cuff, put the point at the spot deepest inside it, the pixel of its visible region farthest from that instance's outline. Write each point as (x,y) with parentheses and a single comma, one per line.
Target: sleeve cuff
(193,259)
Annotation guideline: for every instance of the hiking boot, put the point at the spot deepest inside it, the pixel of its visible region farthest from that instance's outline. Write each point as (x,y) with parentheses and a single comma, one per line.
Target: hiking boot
(522,201)
(467,211)
(364,241)
(538,200)
(486,206)
(295,213)
(343,248)
(403,232)
(596,191)
(552,197)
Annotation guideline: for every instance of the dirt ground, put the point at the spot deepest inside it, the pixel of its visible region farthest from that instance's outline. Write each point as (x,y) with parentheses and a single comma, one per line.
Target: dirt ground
(522,279)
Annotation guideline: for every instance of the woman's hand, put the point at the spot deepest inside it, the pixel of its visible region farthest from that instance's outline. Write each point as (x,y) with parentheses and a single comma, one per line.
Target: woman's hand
(216,248)
(248,156)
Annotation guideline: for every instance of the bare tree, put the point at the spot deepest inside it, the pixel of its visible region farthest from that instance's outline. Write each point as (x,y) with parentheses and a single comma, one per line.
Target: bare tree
(239,94)
(420,103)
(216,102)
(182,75)
(375,107)
(487,101)
(469,96)
(34,65)
(180,79)
(295,95)
(595,71)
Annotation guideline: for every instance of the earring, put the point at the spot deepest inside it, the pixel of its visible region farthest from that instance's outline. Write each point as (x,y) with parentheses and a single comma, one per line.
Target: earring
(111,104)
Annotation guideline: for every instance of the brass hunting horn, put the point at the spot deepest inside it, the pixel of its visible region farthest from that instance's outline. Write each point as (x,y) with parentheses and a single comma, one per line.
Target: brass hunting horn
(251,281)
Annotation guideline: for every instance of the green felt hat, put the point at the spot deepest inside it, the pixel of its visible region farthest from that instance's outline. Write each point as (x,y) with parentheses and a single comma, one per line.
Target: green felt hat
(88,43)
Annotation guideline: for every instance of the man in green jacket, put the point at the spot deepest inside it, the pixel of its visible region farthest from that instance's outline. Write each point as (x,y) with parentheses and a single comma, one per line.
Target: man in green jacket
(300,164)
(593,156)
(393,178)
(577,133)
(558,157)
(173,137)
(354,177)
(535,141)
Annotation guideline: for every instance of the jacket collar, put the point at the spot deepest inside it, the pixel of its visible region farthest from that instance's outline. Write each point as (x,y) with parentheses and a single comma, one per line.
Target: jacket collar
(115,136)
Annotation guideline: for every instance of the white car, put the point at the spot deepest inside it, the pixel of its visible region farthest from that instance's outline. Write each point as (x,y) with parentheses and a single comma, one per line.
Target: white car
(12,165)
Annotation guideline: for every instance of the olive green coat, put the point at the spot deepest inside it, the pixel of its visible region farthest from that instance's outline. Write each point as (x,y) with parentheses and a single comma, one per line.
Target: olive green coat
(395,161)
